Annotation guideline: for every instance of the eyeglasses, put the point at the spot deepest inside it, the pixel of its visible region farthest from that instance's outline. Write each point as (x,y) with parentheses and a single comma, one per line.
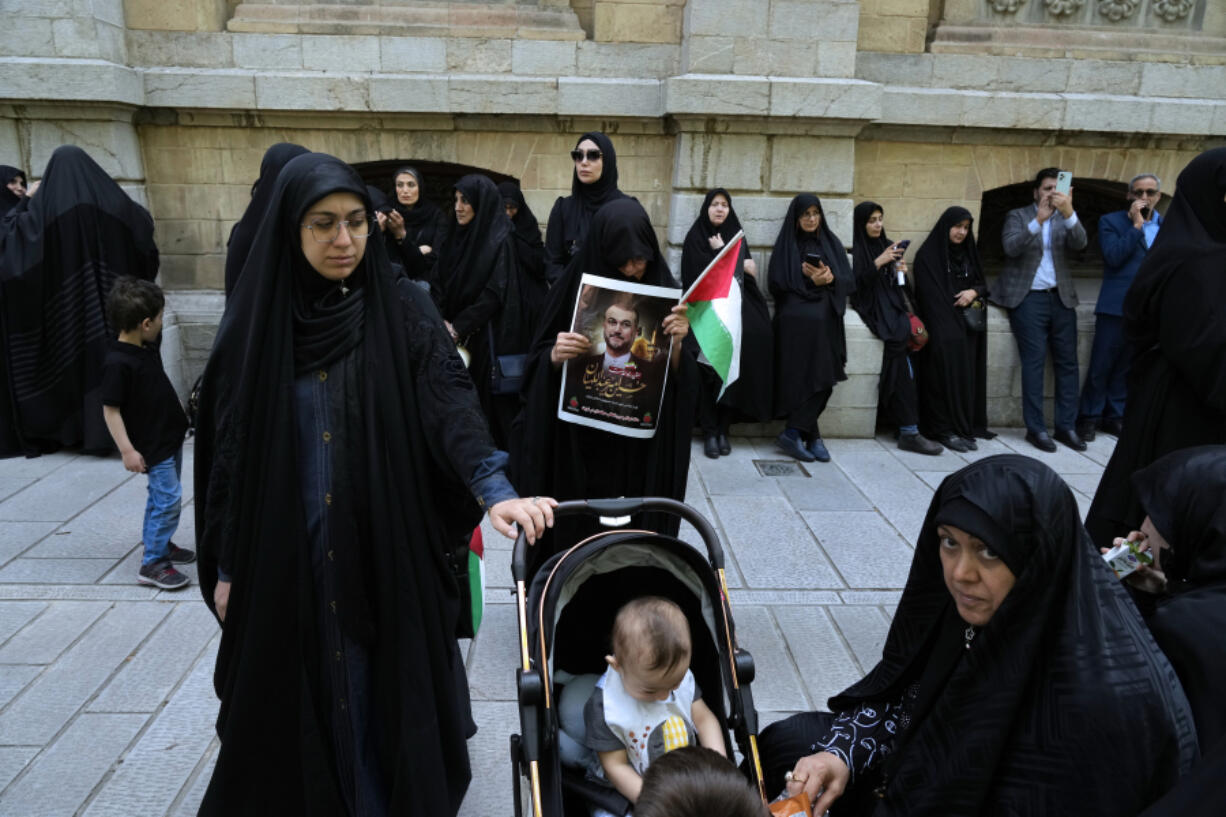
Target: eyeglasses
(592,155)
(326,230)
(1148,192)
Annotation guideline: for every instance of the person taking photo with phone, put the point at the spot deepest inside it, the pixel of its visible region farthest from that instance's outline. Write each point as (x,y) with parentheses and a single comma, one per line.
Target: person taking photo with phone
(1125,237)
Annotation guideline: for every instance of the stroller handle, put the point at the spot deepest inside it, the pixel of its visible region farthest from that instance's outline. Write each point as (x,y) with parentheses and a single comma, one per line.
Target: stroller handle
(624,507)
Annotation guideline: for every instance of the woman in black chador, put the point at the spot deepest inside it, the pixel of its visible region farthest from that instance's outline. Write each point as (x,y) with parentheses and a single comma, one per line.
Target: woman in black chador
(480,294)
(751,396)
(243,231)
(529,247)
(810,344)
(953,392)
(881,300)
(593,185)
(572,461)
(415,227)
(12,187)
(63,247)
(340,452)
(1173,319)
(1017,677)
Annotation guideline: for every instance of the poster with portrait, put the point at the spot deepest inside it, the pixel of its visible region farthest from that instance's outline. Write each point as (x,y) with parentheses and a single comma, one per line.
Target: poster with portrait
(618,386)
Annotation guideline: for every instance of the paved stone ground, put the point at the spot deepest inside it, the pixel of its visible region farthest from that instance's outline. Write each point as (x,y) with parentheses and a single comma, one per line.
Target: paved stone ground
(106,701)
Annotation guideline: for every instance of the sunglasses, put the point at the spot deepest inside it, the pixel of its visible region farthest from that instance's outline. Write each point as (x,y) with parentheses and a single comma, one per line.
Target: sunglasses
(592,155)
(1149,192)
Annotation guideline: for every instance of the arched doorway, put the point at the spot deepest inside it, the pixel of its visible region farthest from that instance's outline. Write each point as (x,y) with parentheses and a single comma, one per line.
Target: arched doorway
(1092,199)
(437,177)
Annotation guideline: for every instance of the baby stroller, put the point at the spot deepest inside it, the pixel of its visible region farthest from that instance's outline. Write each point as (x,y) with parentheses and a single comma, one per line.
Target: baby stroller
(565,617)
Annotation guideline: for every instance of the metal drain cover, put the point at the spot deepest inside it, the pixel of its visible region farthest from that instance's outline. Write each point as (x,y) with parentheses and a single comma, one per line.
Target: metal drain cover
(780,468)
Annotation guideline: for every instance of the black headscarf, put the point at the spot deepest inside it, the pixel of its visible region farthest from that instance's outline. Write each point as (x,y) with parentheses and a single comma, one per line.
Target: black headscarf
(526,225)
(751,396)
(9,199)
(275,754)
(1032,717)
(466,258)
(1183,494)
(571,216)
(591,197)
(61,252)
(424,220)
(878,299)
(787,280)
(1173,318)
(243,232)
(560,459)
(529,248)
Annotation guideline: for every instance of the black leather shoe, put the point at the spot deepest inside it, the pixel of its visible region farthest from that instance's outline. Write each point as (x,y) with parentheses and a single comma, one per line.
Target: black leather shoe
(1070,438)
(1113,426)
(1085,430)
(1042,441)
(919,444)
(953,443)
(793,446)
(725,447)
(970,443)
(711,448)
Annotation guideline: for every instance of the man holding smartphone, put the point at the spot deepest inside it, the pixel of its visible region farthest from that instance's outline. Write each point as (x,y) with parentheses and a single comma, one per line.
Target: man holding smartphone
(1125,237)
(1036,286)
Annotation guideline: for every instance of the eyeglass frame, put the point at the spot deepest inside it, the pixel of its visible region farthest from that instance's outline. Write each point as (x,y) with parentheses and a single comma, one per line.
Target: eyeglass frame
(591,155)
(369,220)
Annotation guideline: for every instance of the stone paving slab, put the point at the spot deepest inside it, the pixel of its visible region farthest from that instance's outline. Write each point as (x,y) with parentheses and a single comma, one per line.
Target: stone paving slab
(65,492)
(59,625)
(865,550)
(16,537)
(13,759)
(16,614)
(822,655)
(14,678)
(776,546)
(60,571)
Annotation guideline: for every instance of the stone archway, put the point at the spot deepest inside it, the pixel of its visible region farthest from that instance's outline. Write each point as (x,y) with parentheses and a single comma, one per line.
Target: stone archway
(437,177)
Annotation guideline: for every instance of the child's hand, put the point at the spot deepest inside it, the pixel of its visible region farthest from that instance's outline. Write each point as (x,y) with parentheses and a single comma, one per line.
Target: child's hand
(134,462)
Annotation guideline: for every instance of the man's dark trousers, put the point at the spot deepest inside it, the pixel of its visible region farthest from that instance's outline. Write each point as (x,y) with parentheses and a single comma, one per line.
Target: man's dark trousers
(1040,322)
(1106,387)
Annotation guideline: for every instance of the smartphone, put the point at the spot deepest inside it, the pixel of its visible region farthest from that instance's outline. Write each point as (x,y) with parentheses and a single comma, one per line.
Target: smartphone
(1145,213)
(1064,182)
(902,245)
(813,259)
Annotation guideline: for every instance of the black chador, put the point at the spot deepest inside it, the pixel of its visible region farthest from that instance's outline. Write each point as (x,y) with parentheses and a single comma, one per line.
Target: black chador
(244,230)
(62,249)
(571,216)
(569,461)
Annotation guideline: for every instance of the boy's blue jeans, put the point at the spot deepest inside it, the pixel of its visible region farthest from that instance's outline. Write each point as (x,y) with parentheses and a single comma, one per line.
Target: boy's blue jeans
(162,509)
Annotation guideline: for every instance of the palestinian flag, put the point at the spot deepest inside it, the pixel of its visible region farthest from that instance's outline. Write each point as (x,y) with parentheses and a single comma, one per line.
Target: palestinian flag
(715,312)
(476,575)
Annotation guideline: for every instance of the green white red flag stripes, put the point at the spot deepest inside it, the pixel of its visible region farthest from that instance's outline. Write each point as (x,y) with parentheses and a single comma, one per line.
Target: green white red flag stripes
(715,312)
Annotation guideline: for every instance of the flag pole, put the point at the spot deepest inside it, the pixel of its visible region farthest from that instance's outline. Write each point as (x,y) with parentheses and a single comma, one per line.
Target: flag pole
(718,256)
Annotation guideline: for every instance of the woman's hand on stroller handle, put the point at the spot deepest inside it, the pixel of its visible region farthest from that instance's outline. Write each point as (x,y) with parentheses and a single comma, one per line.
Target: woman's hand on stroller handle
(531,514)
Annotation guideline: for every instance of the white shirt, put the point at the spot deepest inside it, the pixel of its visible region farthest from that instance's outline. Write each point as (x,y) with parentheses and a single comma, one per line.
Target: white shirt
(610,360)
(1045,275)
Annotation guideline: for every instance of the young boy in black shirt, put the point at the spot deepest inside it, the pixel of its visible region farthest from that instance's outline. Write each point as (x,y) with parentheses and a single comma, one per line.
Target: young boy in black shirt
(147,421)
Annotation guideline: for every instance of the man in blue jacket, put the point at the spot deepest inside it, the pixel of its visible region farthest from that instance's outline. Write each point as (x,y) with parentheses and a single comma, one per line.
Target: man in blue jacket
(1125,237)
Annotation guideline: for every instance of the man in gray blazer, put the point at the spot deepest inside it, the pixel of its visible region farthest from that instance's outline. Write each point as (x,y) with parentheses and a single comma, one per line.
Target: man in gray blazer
(1037,289)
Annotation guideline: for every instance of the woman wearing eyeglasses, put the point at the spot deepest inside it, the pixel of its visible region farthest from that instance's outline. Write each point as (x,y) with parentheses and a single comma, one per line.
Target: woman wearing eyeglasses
(340,452)
(480,294)
(593,185)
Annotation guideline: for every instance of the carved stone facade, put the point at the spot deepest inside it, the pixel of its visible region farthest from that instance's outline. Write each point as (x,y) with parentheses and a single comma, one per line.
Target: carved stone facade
(179,98)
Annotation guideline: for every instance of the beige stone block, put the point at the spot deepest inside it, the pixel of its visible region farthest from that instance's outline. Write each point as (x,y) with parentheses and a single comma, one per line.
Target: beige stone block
(472,56)
(910,70)
(921,106)
(311,92)
(1100,112)
(113,145)
(1183,116)
(1186,81)
(1104,77)
(409,94)
(502,95)
(412,55)
(706,160)
(187,49)
(1023,74)
(200,88)
(543,58)
(596,59)
(875,182)
(268,51)
(1010,110)
(898,35)
(825,98)
(836,58)
(707,55)
(176,15)
(637,23)
(191,237)
(810,21)
(342,54)
(894,8)
(54,80)
(717,95)
(825,164)
(26,37)
(609,97)
(725,18)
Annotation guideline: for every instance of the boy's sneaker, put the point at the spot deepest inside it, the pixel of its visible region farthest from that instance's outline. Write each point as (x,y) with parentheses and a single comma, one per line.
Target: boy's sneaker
(162,574)
(181,556)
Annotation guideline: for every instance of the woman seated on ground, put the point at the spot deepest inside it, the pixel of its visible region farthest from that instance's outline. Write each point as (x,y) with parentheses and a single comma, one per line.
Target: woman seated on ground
(750,395)
(1017,677)
(1183,596)
(881,300)
(953,366)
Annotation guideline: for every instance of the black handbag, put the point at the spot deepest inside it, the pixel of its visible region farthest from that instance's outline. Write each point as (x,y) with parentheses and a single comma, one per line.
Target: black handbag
(976,315)
(506,371)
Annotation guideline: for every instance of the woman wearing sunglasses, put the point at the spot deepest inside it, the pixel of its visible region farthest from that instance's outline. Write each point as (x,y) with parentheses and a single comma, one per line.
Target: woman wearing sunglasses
(593,185)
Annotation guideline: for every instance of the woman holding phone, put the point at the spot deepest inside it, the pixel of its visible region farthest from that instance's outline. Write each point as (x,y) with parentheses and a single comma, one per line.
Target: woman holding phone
(881,301)
(810,280)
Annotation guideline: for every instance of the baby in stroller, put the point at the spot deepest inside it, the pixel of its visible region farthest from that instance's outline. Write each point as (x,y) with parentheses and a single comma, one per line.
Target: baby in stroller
(647,702)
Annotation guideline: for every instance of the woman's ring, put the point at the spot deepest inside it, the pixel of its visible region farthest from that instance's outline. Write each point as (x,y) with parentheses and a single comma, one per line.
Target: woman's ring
(791,778)
(535,499)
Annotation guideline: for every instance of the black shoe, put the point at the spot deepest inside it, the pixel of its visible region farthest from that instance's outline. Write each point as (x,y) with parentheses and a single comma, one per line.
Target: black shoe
(1070,438)
(970,443)
(818,449)
(919,444)
(793,446)
(711,448)
(1041,440)
(1113,426)
(725,447)
(162,574)
(953,443)
(180,556)
(1085,430)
